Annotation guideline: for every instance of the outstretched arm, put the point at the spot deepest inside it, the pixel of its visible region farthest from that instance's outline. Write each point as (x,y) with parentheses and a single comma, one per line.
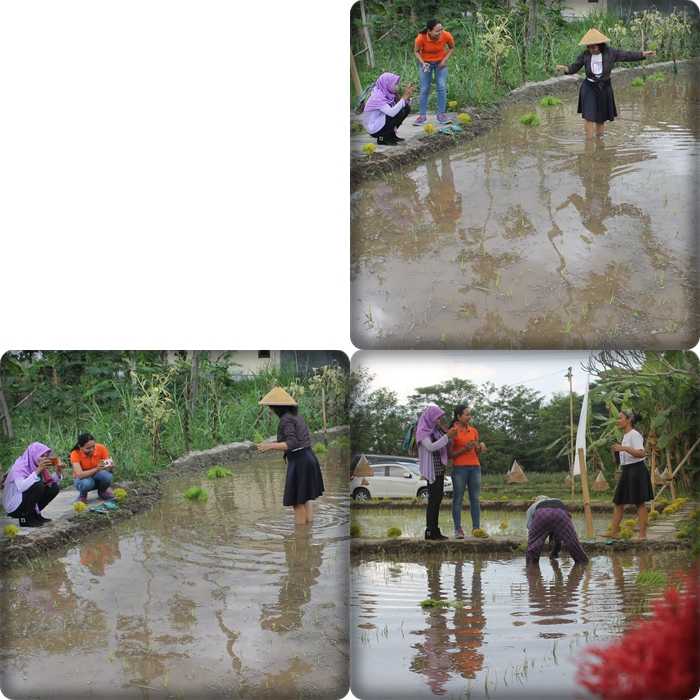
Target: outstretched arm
(575,67)
(629,56)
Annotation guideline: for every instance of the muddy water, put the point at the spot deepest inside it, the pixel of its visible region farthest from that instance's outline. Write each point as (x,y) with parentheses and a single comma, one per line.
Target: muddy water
(533,237)
(375,522)
(221,599)
(518,633)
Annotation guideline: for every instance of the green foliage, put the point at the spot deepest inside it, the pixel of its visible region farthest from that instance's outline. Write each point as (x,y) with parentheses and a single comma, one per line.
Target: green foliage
(657,77)
(120,494)
(218,473)
(689,531)
(434,603)
(393,532)
(355,531)
(320,449)
(549,101)
(11,531)
(638,82)
(530,119)
(196,493)
(651,577)
(140,404)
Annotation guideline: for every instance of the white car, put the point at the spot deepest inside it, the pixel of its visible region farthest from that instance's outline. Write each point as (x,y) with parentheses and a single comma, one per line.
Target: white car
(393,480)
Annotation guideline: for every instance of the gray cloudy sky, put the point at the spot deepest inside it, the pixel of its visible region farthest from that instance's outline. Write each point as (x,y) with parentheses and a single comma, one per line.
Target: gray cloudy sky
(403,371)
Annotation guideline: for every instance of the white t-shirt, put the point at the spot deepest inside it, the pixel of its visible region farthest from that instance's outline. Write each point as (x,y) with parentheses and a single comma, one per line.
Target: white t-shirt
(635,440)
(597,64)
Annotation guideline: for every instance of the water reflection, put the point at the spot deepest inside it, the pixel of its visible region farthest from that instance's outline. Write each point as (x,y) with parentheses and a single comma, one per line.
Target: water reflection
(555,603)
(534,238)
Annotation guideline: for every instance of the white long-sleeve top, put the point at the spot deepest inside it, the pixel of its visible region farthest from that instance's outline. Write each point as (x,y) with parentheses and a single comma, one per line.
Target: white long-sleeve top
(374,119)
(12,493)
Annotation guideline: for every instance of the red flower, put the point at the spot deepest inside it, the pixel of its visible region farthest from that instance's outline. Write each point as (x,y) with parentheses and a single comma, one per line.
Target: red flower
(657,658)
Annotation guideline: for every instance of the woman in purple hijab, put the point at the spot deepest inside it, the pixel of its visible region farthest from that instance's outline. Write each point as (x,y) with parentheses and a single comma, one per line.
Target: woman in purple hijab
(384,112)
(432,440)
(29,487)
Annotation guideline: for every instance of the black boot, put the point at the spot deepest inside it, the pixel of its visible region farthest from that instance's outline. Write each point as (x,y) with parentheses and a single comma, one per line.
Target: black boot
(42,519)
(387,141)
(29,521)
(440,536)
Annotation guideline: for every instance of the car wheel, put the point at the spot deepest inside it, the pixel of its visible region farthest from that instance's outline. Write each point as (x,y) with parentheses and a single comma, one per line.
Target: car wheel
(361,495)
(423,494)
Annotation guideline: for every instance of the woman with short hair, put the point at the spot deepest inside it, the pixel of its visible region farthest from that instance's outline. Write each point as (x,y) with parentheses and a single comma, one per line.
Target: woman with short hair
(634,485)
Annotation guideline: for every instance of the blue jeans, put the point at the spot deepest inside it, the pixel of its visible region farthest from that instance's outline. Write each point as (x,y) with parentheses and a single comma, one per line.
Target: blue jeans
(100,481)
(426,79)
(466,477)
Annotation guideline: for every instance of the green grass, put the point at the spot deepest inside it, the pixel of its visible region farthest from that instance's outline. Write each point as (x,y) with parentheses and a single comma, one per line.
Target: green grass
(651,578)
(638,82)
(530,119)
(549,101)
(196,493)
(320,449)
(657,77)
(218,473)
(393,532)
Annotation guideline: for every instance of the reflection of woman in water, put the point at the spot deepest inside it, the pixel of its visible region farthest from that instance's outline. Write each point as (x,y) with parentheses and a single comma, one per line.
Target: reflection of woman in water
(551,602)
(469,622)
(443,200)
(303,560)
(304,482)
(596,101)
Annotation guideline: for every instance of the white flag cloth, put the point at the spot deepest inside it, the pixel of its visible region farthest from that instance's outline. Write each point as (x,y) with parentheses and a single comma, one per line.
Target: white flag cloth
(581,432)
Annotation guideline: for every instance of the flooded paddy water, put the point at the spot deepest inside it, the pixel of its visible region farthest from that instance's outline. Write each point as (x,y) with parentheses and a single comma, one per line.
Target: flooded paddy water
(533,237)
(511,632)
(374,522)
(218,599)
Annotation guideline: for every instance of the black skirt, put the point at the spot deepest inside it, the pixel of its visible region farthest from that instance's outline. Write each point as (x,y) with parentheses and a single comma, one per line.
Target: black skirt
(304,479)
(634,486)
(596,101)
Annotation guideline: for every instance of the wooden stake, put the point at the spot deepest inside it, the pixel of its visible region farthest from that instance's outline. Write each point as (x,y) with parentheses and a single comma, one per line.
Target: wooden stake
(682,462)
(569,375)
(668,466)
(365,32)
(585,494)
(653,469)
(323,410)
(355,75)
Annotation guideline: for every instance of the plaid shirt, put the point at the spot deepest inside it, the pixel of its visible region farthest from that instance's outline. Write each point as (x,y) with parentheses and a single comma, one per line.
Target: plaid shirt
(437,463)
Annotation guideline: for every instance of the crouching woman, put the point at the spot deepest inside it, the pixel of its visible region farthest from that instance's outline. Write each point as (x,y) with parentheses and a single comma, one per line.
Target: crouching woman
(92,468)
(29,486)
(549,517)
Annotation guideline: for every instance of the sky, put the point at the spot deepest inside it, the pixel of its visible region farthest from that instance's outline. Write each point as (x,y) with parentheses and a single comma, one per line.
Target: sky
(543,371)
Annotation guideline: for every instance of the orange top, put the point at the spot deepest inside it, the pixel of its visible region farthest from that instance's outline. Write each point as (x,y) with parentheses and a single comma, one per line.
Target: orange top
(470,458)
(434,50)
(78,456)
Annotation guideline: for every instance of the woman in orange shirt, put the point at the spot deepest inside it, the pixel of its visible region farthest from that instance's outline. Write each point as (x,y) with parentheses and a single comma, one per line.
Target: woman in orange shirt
(432,48)
(466,469)
(92,468)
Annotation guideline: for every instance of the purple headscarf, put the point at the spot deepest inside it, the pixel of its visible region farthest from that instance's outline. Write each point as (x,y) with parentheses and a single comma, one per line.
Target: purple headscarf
(426,428)
(428,421)
(27,462)
(384,92)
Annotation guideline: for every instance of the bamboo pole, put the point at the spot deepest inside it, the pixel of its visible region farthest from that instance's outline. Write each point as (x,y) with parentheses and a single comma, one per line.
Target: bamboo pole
(323,411)
(682,462)
(355,75)
(5,415)
(365,32)
(653,470)
(668,466)
(569,376)
(585,494)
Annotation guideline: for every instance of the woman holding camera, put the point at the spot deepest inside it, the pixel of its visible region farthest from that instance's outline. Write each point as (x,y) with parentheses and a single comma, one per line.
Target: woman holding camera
(92,468)
(29,486)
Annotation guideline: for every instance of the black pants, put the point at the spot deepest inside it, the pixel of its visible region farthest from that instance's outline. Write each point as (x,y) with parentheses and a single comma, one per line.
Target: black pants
(38,494)
(392,123)
(435,493)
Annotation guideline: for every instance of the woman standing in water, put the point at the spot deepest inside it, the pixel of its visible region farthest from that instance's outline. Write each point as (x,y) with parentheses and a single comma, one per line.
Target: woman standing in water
(304,481)
(596,100)
(432,439)
(634,486)
(432,48)
(384,111)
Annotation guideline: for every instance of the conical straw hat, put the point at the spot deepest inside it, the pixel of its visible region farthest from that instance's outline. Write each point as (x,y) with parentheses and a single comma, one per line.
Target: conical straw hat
(593,36)
(600,483)
(362,468)
(277,397)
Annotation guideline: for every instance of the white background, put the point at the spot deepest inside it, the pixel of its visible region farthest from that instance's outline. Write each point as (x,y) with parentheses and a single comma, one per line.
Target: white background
(174,175)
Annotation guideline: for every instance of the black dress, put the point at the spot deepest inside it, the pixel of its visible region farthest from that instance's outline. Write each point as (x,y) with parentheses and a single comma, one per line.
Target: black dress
(596,99)
(304,480)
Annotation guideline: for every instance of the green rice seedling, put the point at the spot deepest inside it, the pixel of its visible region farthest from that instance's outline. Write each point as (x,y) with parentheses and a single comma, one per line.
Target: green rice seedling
(120,494)
(503,525)
(630,523)
(218,473)
(429,129)
(196,493)
(549,101)
(355,531)
(452,104)
(657,77)
(530,119)
(79,507)
(464,118)
(393,532)
(369,148)
(479,532)
(653,515)
(638,82)
(433,603)
(11,531)
(652,577)
(320,448)
(626,533)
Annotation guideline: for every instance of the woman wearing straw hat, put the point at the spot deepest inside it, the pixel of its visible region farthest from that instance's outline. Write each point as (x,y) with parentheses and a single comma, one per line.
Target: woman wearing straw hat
(596,101)
(304,481)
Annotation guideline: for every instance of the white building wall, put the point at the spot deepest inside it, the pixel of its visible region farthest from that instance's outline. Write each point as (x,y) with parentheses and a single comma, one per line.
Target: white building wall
(580,8)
